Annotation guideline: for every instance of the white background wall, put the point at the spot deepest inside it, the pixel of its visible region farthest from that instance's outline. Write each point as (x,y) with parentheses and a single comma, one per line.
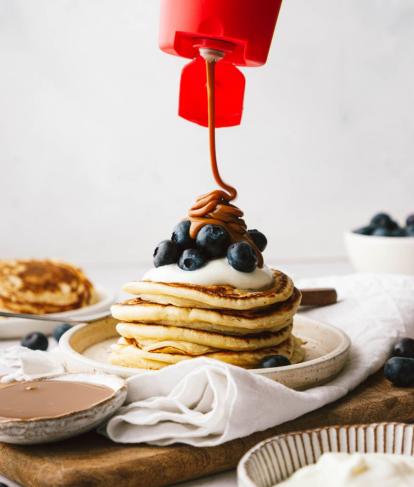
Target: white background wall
(96,166)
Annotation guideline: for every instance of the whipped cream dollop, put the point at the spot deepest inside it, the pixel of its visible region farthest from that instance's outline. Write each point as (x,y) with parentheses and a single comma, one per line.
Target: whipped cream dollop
(355,470)
(216,273)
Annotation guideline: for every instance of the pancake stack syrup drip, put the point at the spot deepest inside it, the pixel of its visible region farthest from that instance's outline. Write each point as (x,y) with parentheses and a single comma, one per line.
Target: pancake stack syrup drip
(215,208)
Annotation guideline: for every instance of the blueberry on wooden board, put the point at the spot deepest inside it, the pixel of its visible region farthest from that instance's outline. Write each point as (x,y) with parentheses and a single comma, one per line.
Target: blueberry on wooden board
(35,341)
(400,371)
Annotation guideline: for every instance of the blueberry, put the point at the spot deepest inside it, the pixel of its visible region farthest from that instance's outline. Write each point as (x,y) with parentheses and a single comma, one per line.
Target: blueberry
(259,239)
(213,241)
(60,330)
(191,260)
(410,221)
(167,252)
(274,361)
(242,257)
(400,371)
(364,230)
(181,235)
(35,341)
(383,220)
(398,232)
(409,231)
(403,348)
(381,232)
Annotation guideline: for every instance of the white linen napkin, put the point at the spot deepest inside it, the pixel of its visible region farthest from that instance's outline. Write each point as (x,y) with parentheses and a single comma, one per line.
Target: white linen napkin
(203,402)
(30,364)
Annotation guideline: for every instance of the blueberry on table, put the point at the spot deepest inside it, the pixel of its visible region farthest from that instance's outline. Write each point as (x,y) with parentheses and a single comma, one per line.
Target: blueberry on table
(259,239)
(403,348)
(35,341)
(274,361)
(400,371)
(242,257)
(60,330)
(383,220)
(364,230)
(213,241)
(167,252)
(181,235)
(191,260)
(410,221)
(381,232)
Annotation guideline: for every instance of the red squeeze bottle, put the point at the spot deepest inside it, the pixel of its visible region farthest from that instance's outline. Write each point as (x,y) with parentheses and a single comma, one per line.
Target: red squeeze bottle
(241,30)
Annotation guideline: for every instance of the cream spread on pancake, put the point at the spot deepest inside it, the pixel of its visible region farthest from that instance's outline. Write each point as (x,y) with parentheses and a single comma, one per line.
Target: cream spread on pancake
(216,273)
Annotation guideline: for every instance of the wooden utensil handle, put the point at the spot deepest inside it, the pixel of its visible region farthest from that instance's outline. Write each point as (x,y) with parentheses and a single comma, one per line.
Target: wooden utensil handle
(318,297)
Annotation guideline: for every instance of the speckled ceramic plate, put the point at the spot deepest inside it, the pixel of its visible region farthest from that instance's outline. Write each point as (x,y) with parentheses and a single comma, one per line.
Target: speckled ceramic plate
(274,460)
(19,327)
(47,430)
(87,348)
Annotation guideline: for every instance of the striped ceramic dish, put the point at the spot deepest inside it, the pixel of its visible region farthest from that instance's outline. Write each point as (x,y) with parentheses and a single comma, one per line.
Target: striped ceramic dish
(274,460)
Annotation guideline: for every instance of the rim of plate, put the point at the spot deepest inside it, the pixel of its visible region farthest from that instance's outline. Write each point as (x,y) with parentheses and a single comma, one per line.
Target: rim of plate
(108,297)
(343,348)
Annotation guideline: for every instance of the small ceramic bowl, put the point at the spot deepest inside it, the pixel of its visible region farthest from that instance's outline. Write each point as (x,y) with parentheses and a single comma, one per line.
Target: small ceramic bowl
(47,430)
(387,255)
(274,460)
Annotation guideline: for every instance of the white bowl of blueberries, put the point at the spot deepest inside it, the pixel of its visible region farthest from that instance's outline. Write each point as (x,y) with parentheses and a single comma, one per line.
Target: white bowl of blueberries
(383,246)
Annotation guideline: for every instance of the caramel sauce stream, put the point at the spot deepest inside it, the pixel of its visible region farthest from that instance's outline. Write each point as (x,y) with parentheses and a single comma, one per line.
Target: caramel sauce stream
(215,208)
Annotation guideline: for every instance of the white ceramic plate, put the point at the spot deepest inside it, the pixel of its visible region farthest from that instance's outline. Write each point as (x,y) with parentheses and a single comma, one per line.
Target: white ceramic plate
(86,348)
(46,430)
(274,460)
(18,327)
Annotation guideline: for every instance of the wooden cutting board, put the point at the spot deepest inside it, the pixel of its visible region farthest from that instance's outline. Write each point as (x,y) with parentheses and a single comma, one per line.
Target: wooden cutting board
(92,460)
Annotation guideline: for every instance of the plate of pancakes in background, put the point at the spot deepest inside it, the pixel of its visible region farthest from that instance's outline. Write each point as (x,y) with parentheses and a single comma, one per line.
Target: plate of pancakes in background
(171,322)
(51,287)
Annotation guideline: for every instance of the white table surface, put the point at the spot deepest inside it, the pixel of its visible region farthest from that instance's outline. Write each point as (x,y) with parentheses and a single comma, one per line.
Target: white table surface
(115,276)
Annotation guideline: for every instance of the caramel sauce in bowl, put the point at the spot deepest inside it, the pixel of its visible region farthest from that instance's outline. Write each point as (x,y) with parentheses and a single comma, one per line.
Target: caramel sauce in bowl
(58,407)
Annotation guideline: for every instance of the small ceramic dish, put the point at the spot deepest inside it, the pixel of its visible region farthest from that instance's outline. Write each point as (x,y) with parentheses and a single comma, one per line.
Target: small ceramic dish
(387,255)
(274,460)
(19,327)
(47,430)
(87,348)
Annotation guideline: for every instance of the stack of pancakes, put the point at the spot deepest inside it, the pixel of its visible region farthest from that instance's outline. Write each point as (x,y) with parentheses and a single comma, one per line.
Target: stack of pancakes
(171,322)
(43,286)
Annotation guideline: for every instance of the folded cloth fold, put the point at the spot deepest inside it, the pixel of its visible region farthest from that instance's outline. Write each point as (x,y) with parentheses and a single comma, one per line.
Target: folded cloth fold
(203,402)
(30,364)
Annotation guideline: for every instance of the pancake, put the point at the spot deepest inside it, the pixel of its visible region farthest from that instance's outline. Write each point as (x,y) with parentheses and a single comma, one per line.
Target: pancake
(212,297)
(43,286)
(132,356)
(154,334)
(232,322)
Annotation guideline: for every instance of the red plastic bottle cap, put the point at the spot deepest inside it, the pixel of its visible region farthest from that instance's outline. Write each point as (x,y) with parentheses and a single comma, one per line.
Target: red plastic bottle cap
(229,84)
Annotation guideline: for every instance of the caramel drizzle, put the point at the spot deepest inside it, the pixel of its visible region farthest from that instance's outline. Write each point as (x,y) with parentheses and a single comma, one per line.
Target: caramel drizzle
(215,208)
